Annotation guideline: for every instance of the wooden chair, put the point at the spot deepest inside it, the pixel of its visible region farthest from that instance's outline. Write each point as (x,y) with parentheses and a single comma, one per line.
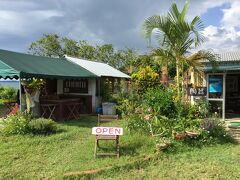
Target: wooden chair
(48,110)
(102,119)
(73,109)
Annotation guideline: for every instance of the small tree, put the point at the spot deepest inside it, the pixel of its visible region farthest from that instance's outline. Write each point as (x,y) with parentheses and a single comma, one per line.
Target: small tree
(176,37)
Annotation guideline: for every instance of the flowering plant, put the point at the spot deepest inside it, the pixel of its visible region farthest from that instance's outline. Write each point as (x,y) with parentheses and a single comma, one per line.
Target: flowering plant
(14,109)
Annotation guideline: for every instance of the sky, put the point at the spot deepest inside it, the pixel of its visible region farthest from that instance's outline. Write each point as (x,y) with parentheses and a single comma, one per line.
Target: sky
(116,22)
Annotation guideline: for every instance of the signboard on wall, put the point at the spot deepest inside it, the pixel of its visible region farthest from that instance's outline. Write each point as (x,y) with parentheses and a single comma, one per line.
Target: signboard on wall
(198,91)
(75,86)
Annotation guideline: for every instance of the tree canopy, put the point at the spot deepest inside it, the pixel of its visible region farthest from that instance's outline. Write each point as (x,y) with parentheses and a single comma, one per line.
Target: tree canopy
(52,45)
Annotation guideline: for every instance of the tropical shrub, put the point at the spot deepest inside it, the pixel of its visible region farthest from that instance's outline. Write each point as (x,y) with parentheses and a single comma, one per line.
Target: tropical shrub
(8,93)
(135,123)
(214,130)
(128,102)
(16,123)
(202,108)
(160,99)
(42,126)
(145,78)
(210,131)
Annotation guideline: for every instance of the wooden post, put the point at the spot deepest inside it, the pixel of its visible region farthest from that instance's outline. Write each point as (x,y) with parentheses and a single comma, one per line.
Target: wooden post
(20,95)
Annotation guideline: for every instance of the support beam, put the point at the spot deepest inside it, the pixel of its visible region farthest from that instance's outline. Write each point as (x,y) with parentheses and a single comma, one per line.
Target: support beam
(20,95)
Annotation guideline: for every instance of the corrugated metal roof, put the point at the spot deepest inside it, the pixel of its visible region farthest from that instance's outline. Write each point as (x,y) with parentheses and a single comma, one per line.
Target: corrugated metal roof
(229,56)
(98,68)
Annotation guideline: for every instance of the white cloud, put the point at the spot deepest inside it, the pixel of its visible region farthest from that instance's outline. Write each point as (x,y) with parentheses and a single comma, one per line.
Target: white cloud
(108,21)
(231,16)
(221,39)
(226,37)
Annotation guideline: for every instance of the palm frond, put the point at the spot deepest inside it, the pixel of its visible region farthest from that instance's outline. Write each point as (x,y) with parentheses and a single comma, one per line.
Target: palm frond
(196,27)
(197,60)
(174,13)
(151,23)
(184,11)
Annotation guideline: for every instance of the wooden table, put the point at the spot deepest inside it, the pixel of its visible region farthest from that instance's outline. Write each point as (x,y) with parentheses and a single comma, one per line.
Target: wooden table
(48,110)
(65,108)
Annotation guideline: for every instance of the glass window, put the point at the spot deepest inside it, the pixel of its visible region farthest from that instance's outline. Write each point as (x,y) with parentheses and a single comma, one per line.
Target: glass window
(216,108)
(215,86)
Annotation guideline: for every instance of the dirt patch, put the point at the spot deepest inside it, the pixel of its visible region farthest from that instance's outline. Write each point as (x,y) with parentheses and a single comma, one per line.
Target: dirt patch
(131,165)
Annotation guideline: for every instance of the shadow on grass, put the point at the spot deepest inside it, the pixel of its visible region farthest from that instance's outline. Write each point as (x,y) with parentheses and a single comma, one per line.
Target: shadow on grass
(130,149)
(125,148)
(88,121)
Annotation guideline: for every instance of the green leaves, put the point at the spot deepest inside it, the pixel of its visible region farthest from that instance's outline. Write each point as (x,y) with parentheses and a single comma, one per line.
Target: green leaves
(177,37)
(48,45)
(8,93)
(52,45)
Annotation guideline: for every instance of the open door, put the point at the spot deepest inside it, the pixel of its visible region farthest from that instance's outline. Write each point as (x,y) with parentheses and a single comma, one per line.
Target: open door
(232,96)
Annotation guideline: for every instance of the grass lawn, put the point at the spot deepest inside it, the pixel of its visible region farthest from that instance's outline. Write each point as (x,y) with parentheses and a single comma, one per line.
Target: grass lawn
(217,162)
(71,150)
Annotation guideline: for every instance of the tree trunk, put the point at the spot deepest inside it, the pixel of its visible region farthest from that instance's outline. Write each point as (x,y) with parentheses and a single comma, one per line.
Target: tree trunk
(178,80)
(164,76)
(182,84)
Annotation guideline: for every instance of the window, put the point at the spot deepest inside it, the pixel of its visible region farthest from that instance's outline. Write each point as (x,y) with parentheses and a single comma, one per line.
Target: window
(215,87)
(75,86)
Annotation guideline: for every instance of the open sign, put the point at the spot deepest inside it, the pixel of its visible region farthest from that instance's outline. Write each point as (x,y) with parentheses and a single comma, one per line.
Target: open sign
(107,131)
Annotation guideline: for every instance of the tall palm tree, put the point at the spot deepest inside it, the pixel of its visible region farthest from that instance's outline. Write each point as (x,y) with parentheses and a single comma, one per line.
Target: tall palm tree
(176,37)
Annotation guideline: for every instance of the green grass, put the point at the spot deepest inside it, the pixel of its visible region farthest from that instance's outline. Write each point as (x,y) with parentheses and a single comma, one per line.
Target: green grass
(71,150)
(217,162)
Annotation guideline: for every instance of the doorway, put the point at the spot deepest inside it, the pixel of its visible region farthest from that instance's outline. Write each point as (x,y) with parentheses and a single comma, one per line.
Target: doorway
(232,104)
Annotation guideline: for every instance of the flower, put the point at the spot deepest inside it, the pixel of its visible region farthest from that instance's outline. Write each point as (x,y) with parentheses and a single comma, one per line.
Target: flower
(14,109)
(147,117)
(138,110)
(150,110)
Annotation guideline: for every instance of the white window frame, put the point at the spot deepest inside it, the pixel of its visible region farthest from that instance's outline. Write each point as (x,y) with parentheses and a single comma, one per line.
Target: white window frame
(223,99)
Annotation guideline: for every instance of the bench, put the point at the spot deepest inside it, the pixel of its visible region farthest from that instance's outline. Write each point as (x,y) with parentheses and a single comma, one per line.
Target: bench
(101,120)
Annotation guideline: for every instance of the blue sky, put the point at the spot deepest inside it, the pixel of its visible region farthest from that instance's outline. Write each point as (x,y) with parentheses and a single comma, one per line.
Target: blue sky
(213,15)
(111,21)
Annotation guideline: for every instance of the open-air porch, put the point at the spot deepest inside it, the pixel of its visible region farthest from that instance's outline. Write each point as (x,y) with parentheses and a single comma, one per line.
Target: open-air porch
(69,88)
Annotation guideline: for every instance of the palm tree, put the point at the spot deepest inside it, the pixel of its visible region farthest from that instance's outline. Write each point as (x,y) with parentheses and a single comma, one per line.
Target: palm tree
(177,37)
